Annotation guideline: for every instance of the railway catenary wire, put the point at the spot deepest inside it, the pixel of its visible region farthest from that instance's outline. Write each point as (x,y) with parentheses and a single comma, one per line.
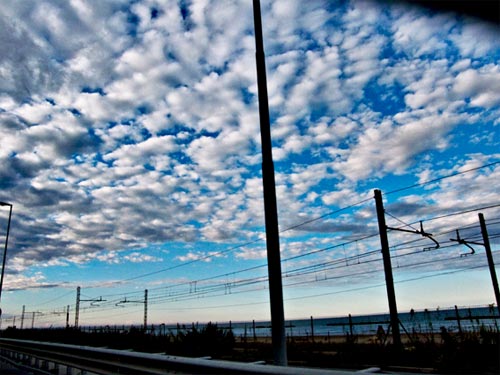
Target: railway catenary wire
(131,310)
(437,274)
(335,211)
(190,296)
(315,266)
(395,247)
(323,249)
(209,256)
(332,247)
(431,181)
(263,279)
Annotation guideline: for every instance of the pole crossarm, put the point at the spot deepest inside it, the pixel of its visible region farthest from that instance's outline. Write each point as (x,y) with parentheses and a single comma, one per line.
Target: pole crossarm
(58,313)
(461,241)
(420,232)
(125,300)
(38,313)
(93,301)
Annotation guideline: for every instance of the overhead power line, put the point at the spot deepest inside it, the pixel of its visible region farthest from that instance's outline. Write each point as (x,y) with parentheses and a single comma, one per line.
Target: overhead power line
(442,178)
(301,224)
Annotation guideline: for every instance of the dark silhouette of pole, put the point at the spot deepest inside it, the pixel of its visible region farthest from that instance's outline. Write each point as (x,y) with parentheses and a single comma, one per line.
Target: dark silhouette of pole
(389,281)
(270,206)
(351,331)
(77,308)
(22,317)
(457,315)
(5,248)
(145,310)
(491,263)
(312,329)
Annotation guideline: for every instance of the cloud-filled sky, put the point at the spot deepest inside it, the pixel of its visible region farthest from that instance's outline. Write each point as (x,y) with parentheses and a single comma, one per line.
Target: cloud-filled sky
(130,150)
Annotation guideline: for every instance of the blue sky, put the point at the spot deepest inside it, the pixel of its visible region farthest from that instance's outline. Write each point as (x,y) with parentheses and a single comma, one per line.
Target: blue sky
(130,149)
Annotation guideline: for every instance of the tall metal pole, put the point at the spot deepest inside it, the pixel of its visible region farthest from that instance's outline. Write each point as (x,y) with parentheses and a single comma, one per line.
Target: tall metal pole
(77,308)
(67,317)
(145,310)
(270,206)
(22,317)
(389,281)
(491,263)
(5,248)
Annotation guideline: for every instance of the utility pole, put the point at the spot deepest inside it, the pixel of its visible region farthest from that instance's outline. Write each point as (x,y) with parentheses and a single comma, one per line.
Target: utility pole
(270,206)
(33,320)
(22,316)
(145,310)
(4,259)
(389,281)
(144,301)
(67,317)
(491,263)
(77,308)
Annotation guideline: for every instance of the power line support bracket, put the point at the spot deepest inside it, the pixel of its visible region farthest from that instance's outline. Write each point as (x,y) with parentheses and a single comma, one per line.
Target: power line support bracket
(420,232)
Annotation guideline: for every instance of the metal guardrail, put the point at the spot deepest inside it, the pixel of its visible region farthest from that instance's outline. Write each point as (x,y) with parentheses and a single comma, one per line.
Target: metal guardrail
(63,359)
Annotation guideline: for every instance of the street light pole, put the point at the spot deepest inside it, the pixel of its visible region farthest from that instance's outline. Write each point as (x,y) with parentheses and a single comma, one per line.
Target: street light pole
(270,207)
(5,248)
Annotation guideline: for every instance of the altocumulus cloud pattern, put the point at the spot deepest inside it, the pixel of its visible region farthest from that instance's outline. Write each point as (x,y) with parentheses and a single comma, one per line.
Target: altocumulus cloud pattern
(129,130)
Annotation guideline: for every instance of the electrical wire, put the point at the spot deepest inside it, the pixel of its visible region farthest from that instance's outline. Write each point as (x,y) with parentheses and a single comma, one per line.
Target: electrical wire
(442,178)
(313,268)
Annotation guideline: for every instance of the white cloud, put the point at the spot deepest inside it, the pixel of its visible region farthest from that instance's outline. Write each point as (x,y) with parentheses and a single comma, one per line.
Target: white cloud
(252,254)
(130,155)
(386,148)
(476,39)
(137,257)
(481,87)
(141,130)
(199,255)
(417,35)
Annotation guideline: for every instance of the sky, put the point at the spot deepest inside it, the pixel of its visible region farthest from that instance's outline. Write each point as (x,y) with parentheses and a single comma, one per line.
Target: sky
(130,151)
